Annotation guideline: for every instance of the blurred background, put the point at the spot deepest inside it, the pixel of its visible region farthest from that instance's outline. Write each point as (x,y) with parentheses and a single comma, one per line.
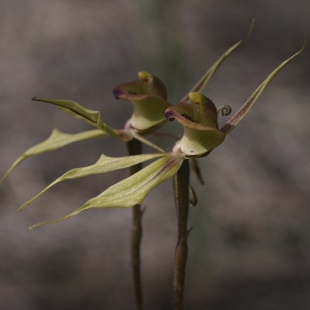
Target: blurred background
(250,246)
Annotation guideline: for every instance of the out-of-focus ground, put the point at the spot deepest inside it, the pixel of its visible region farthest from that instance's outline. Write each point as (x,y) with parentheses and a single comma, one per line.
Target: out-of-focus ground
(250,246)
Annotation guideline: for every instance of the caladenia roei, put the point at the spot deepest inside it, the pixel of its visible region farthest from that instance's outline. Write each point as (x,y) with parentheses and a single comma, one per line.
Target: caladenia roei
(148,95)
(201,136)
(198,116)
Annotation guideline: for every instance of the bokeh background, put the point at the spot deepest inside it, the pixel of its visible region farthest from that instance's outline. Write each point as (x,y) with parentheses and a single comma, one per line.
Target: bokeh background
(250,246)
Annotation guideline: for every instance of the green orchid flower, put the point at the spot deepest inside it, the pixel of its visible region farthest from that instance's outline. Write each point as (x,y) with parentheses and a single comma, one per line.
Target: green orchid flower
(201,136)
(200,118)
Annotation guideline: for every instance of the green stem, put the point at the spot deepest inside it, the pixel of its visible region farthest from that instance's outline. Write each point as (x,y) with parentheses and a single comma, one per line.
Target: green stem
(181,195)
(134,147)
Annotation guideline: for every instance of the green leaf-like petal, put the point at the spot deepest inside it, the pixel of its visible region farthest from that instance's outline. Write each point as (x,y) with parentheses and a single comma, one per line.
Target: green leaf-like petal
(103,165)
(78,111)
(133,190)
(55,141)
(145,141)
(246,108)
(202,83)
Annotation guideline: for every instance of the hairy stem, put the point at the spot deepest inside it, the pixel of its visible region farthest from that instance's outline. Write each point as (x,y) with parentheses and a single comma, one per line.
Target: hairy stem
(134,147)
(181,195)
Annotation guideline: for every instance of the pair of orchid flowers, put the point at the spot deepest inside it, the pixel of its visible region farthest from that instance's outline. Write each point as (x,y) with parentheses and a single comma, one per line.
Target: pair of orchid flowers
(196,113)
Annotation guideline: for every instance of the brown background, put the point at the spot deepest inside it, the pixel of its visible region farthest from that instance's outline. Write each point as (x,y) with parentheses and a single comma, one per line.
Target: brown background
(249,248)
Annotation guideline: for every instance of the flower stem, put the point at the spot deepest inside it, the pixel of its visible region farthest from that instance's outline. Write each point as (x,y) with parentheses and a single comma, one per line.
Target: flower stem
(134,147)
(181,195)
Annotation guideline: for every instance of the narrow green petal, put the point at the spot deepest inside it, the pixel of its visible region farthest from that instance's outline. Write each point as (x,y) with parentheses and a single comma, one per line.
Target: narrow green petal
(78,111)
(55,141)
(202,83)
(132,190)
(246,108)
(103,165)
(145,141)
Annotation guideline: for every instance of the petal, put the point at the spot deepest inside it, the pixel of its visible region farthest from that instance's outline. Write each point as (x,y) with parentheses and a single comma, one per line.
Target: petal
(132,190)
(55,141)
(103,165)
(246,108)
(145,141)
(202,83)
(78,111)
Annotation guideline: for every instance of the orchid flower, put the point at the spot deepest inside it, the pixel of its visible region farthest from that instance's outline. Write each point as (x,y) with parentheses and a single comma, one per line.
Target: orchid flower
(201,135)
